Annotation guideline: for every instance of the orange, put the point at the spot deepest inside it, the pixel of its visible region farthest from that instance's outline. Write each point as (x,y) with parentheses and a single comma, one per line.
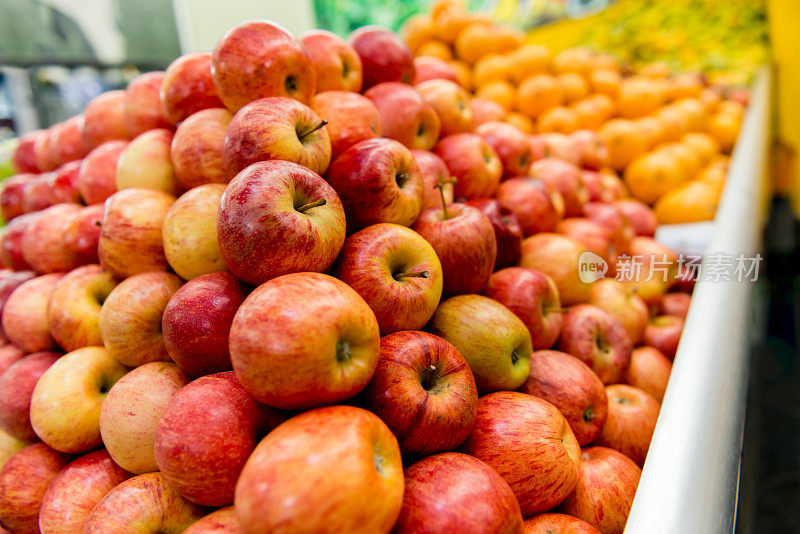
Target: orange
(605,61)
(574,86)
(605,81)
(691,202)
(479,39)
(731,106)
(653,174)
(694,113)
(684,86)
(417,30)
(713,174)
(573,60)
(703,144)
(490,68)
(500,91)
(658,70)
(521,121)
(529,59)
(559,119)
(684,156)
(440,6)
(590,114)
(710,99)
(607,107)
(436,49)
(638,97)
(653,130)
(538,93)
(462,72)
(673,122)
(450,23)
(724,126)
(624,140)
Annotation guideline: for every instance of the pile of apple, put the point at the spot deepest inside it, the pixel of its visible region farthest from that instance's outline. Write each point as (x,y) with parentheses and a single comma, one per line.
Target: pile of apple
(239,297)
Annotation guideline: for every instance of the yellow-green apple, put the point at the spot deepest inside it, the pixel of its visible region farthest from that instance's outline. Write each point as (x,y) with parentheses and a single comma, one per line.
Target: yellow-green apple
(206,435)
(131,412)
(485,110)
(641,216)
(25,314)
(197,321)
(130,319)
(385,57)
(277,217)
(463,238)
(130,238)
(473,162)
(450,102)
(9,354)
(43,154)
(276,128)
(676,304)
(424,391)
(82,234)
(622,302)
(351,118)
(553,523)
(9,446)
(336,63)
(97,177)
(18,383)
(143,109)
(598,339)
(378,181)
(396,272)
(493,340)
(66,141)
(292,360)
(73,312)
(259,59)
(664,333)
(144,503)
(533,297)
(11,241)
(63,183)
(454,492)
(146,163)
(650,267)
(434,172)
(196,151)
(558,257)
(592,148)
(507,231)
(222,521)
(66,402)
(609,216)
(12,195)
(23,158)
(527,441)
(190,232)
(565,178)
(355,483)
(595,237)
(432,68)
(23,482)
(187,87)
(405,116)
(104,119)
(510,144)
(603,496)
(559,146)
(649,371)
(632,416)
(42,243)
(73,493)
(573,388)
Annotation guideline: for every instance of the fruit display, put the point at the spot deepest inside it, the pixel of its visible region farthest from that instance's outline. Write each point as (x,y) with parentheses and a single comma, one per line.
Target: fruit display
(316,285)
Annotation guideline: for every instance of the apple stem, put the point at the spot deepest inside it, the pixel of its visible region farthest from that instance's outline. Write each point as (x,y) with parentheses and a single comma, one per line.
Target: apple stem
(315,204)
(99,224)
(312,130)
(440,187)
(417,274)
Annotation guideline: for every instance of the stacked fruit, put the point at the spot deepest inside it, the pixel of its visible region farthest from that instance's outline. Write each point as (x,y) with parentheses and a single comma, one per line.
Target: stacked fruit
(269,304)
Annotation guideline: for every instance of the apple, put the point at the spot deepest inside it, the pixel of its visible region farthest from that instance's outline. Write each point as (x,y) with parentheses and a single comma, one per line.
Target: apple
(66,140)
(642,218)
(65,405)
(622,303)
(9,446)
(132,410)
(664,333)
(130,238)
(355,483)
(485,110)
(259,59)
(527,441)
(130,319)
(63,183)
(222,521)
(424,391)
(595,237)
(432,68)
(197,320)
(512,146)
(187,87)
(632,416)
(18,382)
(405,115)
(142,503)
(435,177)
(82,235)
(559,146)
(598,339)
(38,194)
(378,181)
(603,187)
(23,482)
(9,354)
(11,241)
(651,268)
(190,232)
(276,128)
(295,360)
(43,153)
(473,162)
(494,341)
(463,238)
(205,436)
(563,177)
(685,278)
(12,195)
(73,312)
(277,217)
(197,145)
(676,304)
(143,109)
(42,243)
(396,272)
(10,282)
(649,371)
(535,206)
(384,56)
(592,148)
(351,118)
(146,163)
(454,492)
(104,119)
(25,314)
(24,159)
(73,493)
(507,231)
(450,102)
(336,63)
(552,523)
(609,216)
(558,257)
(97,177)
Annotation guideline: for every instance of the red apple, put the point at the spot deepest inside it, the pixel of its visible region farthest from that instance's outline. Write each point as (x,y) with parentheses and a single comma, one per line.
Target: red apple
(82,234)
(434,172)
(450,102)
(664,333)
(223,521)
(642,218)
(18,382)
(66,141)
(432,68)
(563,177)
(651,268)
(535,206)
(512,146)
(602,187)
(528,441)
(424,391)
(595,237)
(552,523)
(405,115)
(9,355)
(145,163)
(454,492)
(43,153)
(42,243)
(63,183)
(676,304)
(37,195)
(473,162)
(277,217)
(197,145)
(25,314)
(259,59)
(609,216)
(143,109)
(485,110)
(104,119)
(558,257)
(337,65)
(632,416)
(12,195)
(384,56)
(351,118)
(559,146)
(623,303)
(593,150)
(507,231)
(24,159)
(11,281)
(685,278)
(187,87)
(97,178)
(11,241)
(649,371)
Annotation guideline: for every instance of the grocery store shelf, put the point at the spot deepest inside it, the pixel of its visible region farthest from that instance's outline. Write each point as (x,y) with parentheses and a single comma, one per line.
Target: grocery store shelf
(691,476)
